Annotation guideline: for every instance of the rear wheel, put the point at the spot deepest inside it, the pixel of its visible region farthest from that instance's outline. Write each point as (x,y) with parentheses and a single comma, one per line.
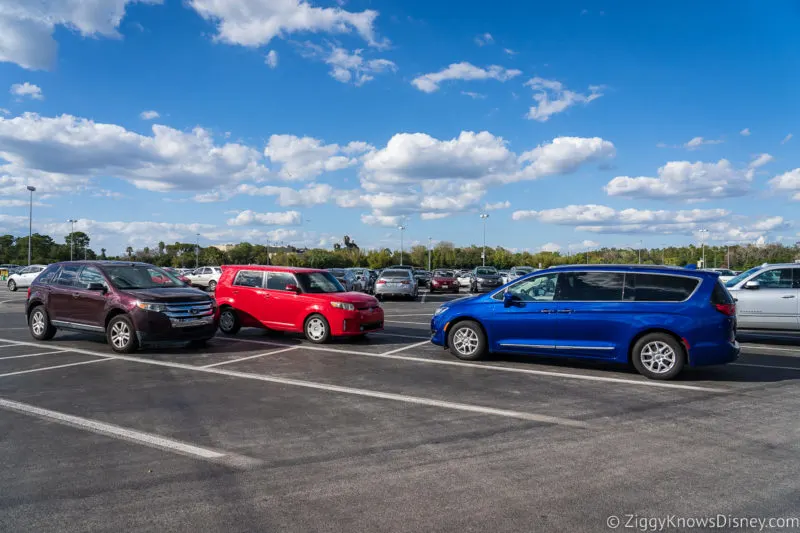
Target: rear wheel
(12,285)
(39,324)
(121,334)
(229,321)
(212,285)
(467,341)
(317,329)
(658,356)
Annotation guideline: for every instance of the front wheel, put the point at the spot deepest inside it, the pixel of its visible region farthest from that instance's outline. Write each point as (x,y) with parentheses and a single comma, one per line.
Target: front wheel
(658,356)
(317,329)
(121,334)
(467,341)
(229,322)
(40,326)
(12,285)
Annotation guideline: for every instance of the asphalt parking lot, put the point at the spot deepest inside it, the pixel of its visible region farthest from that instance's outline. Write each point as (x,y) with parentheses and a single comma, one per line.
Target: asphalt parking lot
(266,432)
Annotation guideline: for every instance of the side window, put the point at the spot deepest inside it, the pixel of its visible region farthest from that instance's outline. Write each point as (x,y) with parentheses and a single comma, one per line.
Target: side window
(659,288)
(68,276)
(49,274)
(796,278)
(35,270)
(25,270)
(591,286)
(538,289)
(277,281)
(90,274)
(780,278)
(249,278)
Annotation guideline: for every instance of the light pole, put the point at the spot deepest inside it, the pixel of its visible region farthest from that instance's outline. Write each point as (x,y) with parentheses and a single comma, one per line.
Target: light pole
(640,252)
(430,240)
(703,232)
(197,250)
(484,216)
(30,223)
(71,236)
(729,257)
(663,254)
(402,228)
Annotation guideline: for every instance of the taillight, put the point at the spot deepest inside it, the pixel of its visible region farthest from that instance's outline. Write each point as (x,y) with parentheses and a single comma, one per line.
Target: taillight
(380,282)
(726,309)
(29,293)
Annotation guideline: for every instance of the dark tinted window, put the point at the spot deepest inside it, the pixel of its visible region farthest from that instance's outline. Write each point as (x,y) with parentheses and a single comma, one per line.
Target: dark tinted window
(277,281)
(658,287)
(720,294)
(797,278)
(68,276)
(780,278)
(249,278)
(396,274)
(47,277)
(591,286)
(319,282)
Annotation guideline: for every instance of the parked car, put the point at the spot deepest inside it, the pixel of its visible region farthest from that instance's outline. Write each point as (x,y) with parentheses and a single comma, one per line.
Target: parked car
(464,278)
(768,297)
(363,281)
(396,283)
(178,274)
(517,272)
(347,278)
(422,277)
(503,275)
(445,281)
(485,279)
(301,300)
(205,277)
(132,304)
(24,277)
(725,274)
(660,319)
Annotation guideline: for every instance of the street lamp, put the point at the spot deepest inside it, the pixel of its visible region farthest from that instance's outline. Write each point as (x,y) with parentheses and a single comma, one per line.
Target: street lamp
(430,241)
(640,251)
(30,223)
(703,232)
(197,250)
(71,236)
(484,216)
(402,228)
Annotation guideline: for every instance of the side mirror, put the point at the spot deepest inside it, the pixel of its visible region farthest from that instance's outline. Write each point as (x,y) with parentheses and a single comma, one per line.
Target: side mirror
(509,299)
(96,287)
(291,287)
(752,285)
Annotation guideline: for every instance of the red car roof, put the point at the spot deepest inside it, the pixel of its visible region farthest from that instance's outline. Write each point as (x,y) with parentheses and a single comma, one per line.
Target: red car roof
(272,268)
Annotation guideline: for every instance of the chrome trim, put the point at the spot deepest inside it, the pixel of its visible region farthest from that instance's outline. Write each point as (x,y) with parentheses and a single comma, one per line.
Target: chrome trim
(603,348)
(74,325)
(187,309)
(548,346)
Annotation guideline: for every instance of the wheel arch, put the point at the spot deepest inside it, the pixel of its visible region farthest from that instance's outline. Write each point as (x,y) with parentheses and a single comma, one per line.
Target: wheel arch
(111,314)
(463,318)
(680,340)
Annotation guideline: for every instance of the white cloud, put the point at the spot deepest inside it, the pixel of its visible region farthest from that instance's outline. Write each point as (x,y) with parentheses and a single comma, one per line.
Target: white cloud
(769,224)
(686,181)
(549,247)
(347,67)
(255,23)
(697,142)
(745,132)
(510,52)
(271,59)
(249,218)
(27,26)
(27,90)
(562,156)
(474,96)
(4,111)
(497,205)
(788,181)
(306,157)
(429,83)
(149,115)
(433,216)
(484,39)
(381,220)
(787,139)
(68,151)
(552,98)
(312,194)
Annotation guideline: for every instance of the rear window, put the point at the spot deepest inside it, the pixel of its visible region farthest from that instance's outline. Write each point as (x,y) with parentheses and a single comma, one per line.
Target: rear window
(591,286)
(658,287)
(395,274)
(443,274)
(249,278)
(720,294)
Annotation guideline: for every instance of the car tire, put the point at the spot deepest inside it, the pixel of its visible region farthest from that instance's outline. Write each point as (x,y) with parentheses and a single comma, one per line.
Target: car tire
(467,341)
(39,324)
(121,335)
(12,285)
(317,329)
(658,356)
(212,286)
(229,322)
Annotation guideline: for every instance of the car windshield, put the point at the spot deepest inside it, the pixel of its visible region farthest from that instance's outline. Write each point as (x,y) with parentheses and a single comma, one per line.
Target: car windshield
(318,282)
(443,274)
(485,271)
(741,277)
(141,277)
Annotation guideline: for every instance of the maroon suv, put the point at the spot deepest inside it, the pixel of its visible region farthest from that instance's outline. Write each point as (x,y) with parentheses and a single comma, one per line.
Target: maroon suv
(132,304)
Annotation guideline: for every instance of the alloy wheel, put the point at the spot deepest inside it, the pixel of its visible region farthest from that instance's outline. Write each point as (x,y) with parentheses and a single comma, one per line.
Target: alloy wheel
(38,323)
(120,334)
(465,341)
(316,328)
(658,357)
(227,320)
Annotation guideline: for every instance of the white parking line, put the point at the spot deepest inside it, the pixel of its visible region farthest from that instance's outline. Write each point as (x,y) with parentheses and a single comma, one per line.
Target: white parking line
(767,366)
(403,322)
(336,388)
(30,355)
(273,352)
(139,437)
(399,335)
(284,345)
(408,314)
(42,369)
(766,347)
(404,348)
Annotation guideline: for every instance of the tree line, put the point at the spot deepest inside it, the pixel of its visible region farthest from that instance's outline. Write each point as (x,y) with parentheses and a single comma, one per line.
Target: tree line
(44,250)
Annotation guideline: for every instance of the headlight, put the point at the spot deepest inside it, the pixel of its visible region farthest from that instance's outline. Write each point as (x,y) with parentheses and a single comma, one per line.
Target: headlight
(158,308)
(344,305)
(440,310)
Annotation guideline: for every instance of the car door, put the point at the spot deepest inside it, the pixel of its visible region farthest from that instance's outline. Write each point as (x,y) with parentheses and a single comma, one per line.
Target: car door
(61,302)
(27,275)
(284,307)
(250,296)
(593,319)
(796,285)
(89,305)
(530,323)
(773,305)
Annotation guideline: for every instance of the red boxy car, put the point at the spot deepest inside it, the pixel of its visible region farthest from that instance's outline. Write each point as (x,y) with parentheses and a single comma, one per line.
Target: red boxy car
(444,280)
(302,300)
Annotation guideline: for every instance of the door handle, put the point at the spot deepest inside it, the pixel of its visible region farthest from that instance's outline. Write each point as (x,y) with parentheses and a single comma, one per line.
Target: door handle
(565,310)
(547,311)
(788,296)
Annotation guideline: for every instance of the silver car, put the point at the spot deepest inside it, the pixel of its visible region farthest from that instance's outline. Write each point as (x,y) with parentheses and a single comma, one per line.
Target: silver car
(362,281)
(397,283)
(767,297)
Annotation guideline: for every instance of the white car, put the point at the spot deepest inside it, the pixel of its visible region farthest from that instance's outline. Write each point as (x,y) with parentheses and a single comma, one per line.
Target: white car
(464,278)
(24,277)
(518,272)
(725,275)
(205,277)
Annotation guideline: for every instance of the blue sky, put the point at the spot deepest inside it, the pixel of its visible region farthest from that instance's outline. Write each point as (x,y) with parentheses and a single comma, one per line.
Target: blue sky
(573,124)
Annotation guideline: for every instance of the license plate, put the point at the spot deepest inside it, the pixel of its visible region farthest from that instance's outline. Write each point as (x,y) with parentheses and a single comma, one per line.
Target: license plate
(189,322)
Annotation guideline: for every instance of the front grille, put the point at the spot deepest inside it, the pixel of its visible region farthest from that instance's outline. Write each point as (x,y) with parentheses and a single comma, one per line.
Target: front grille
(371,326)
(189,309)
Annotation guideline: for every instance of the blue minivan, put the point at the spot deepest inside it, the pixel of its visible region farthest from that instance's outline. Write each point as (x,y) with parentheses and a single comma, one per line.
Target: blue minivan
(660,319)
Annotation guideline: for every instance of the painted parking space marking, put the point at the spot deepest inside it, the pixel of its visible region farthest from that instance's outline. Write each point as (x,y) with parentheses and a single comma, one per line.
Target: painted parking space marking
(273,352)
(31,355)
(408,314)
(42,369)
(403,348)
(367,393)
(383,333)
(110,430)
(767,347)
(776,367)
(404,322)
